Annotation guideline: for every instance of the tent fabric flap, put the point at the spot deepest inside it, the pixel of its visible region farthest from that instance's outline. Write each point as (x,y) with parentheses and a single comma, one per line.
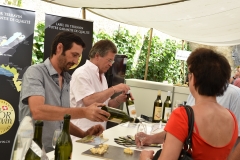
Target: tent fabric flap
(210,22)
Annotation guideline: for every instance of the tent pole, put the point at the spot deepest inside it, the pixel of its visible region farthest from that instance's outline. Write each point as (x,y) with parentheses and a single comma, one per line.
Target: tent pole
(83,13)
(183,64)
(149,49)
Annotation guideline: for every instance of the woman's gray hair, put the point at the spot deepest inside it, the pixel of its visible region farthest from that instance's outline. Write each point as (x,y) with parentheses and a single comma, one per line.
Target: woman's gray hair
(102,47)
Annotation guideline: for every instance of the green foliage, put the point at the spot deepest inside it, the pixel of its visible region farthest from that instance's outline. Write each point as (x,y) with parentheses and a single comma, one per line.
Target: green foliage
(38,44)
(17,3)
(128,45)
(99,36)
(161,66)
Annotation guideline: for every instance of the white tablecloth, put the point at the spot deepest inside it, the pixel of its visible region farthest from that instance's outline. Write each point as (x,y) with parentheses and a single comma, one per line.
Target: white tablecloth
(114,132)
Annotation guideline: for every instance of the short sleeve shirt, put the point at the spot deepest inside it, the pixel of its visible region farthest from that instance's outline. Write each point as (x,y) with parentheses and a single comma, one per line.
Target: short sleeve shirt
(42,80)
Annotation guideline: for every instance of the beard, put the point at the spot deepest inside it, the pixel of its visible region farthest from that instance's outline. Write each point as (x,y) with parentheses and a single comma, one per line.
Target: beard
(63,64)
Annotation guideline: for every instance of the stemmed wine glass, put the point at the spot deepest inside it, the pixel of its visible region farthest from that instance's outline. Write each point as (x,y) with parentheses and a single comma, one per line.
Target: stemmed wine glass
(56,134)
(141,129)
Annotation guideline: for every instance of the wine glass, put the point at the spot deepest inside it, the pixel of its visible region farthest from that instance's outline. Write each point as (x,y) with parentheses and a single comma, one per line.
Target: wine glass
(56,134)
(141,129)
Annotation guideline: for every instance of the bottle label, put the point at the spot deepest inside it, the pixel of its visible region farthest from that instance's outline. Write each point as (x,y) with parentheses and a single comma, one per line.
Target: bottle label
(115,120)
(36,149)
(167,113)
(157,113)
(132,111)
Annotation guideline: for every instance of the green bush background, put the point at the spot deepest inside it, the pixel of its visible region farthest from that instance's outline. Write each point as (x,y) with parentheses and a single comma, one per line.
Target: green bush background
(162,64)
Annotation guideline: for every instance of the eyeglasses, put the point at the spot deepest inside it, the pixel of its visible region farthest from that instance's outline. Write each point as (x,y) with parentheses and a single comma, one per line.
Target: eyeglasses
(110,61)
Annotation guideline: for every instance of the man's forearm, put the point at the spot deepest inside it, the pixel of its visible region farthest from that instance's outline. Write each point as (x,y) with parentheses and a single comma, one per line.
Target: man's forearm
(99,97)
(113,103)
(53,113)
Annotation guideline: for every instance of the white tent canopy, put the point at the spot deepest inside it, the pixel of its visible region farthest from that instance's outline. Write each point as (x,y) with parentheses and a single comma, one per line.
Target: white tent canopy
(210,22)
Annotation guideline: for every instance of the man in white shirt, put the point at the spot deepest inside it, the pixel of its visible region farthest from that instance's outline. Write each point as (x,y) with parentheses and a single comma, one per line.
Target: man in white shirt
(89,85)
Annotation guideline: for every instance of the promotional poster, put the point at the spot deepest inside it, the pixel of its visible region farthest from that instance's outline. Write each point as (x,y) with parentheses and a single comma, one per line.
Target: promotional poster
(55,24)
(16,40)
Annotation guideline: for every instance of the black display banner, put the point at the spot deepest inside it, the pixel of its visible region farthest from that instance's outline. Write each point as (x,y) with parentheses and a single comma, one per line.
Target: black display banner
(16,40)
(55,24)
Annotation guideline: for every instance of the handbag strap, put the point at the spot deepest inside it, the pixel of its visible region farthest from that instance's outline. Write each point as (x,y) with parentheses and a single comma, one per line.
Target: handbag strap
(188,141)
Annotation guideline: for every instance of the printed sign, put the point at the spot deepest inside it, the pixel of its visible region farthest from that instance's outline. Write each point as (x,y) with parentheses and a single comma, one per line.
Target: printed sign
(182,55)
(56,24)
(16,41)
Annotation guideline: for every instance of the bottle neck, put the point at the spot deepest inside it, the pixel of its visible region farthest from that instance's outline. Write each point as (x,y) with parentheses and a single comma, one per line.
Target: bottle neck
(38,135)
(159,97)
(66,124)
(168,98)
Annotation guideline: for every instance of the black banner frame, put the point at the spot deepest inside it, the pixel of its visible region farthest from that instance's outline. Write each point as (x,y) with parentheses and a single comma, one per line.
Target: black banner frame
(16,42)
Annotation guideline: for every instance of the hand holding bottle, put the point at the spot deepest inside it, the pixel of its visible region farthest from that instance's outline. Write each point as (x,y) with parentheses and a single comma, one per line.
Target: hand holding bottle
(131,96)
(121,88)
(94,112)
(95,130)
(121,98)
(117,115)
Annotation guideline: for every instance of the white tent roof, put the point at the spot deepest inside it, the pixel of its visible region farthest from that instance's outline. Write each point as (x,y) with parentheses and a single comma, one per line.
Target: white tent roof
(211,22)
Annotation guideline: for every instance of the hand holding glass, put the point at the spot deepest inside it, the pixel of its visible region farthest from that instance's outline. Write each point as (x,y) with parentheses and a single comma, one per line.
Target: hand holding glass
(142,128)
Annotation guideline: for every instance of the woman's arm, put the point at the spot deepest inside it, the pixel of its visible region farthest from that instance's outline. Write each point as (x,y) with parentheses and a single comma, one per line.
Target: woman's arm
(171,148)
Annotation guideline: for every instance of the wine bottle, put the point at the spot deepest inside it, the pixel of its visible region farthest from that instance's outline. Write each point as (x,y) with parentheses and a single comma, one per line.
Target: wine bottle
(157,109)
(130,106)
(35,150)
(167,108)
(118,116)
(63,149)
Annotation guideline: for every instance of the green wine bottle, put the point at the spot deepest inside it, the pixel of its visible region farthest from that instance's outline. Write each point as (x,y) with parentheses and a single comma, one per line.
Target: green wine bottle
(157,109)
(63,149)
(35,150)
(118,116)
(130,106)
(167,108)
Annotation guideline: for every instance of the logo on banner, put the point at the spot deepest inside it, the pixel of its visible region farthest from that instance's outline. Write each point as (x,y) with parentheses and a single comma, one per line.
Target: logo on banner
(75,65)
(7,116)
